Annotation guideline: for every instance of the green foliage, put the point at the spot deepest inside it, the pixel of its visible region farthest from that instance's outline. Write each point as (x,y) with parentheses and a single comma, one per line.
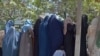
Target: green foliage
(1,25)
(91,8)
(37,3)
(19,8)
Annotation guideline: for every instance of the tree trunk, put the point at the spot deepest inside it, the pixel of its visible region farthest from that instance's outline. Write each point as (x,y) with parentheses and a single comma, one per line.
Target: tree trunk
(97,41)
(78,28)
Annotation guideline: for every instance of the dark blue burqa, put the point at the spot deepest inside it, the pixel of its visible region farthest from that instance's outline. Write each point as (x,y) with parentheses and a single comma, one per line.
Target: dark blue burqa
(55,34)
(43,38)
(36,36)
(10,41)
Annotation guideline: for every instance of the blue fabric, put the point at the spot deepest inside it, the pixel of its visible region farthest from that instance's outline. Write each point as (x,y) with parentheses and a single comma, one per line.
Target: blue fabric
(12,38)
(27,25)
(43,38)
(8,25)
(55,33)
(10,43)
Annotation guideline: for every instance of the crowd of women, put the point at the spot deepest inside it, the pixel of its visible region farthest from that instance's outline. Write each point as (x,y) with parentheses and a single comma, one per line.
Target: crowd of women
(50,36)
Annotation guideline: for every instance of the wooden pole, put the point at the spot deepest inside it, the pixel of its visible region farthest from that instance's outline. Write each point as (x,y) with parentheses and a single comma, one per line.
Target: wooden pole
(78,28)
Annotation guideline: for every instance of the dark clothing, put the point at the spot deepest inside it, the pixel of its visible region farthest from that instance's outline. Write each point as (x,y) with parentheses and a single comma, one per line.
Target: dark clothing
(69,40)
(55,34)
(36,27)
(0,51)
(36,32)
(84,28)
(43,38)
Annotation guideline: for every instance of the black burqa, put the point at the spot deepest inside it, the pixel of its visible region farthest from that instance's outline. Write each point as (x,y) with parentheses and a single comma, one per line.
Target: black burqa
(84,28)
(36,35)
(69,39)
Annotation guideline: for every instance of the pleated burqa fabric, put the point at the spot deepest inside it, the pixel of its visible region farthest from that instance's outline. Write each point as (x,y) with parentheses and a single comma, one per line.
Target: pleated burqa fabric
(26,48)
(69,39)
(10,45)
(36,37)
(84,29)
(55,33)
(43,38)
(26,42)
(8,25)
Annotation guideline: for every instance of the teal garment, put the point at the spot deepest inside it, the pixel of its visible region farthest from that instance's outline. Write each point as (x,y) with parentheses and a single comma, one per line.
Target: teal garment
(43,38)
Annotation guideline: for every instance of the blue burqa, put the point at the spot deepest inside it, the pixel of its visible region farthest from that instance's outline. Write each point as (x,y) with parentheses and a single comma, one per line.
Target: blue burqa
(8,25)
(27,25)
(10,42)
(43,38)
(55,34)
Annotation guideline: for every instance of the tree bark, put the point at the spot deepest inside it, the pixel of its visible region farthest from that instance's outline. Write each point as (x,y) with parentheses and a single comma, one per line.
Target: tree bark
(78,28)
(97,36)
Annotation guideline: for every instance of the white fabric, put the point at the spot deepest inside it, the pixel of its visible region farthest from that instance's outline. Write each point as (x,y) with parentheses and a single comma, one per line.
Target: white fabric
(59,53)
